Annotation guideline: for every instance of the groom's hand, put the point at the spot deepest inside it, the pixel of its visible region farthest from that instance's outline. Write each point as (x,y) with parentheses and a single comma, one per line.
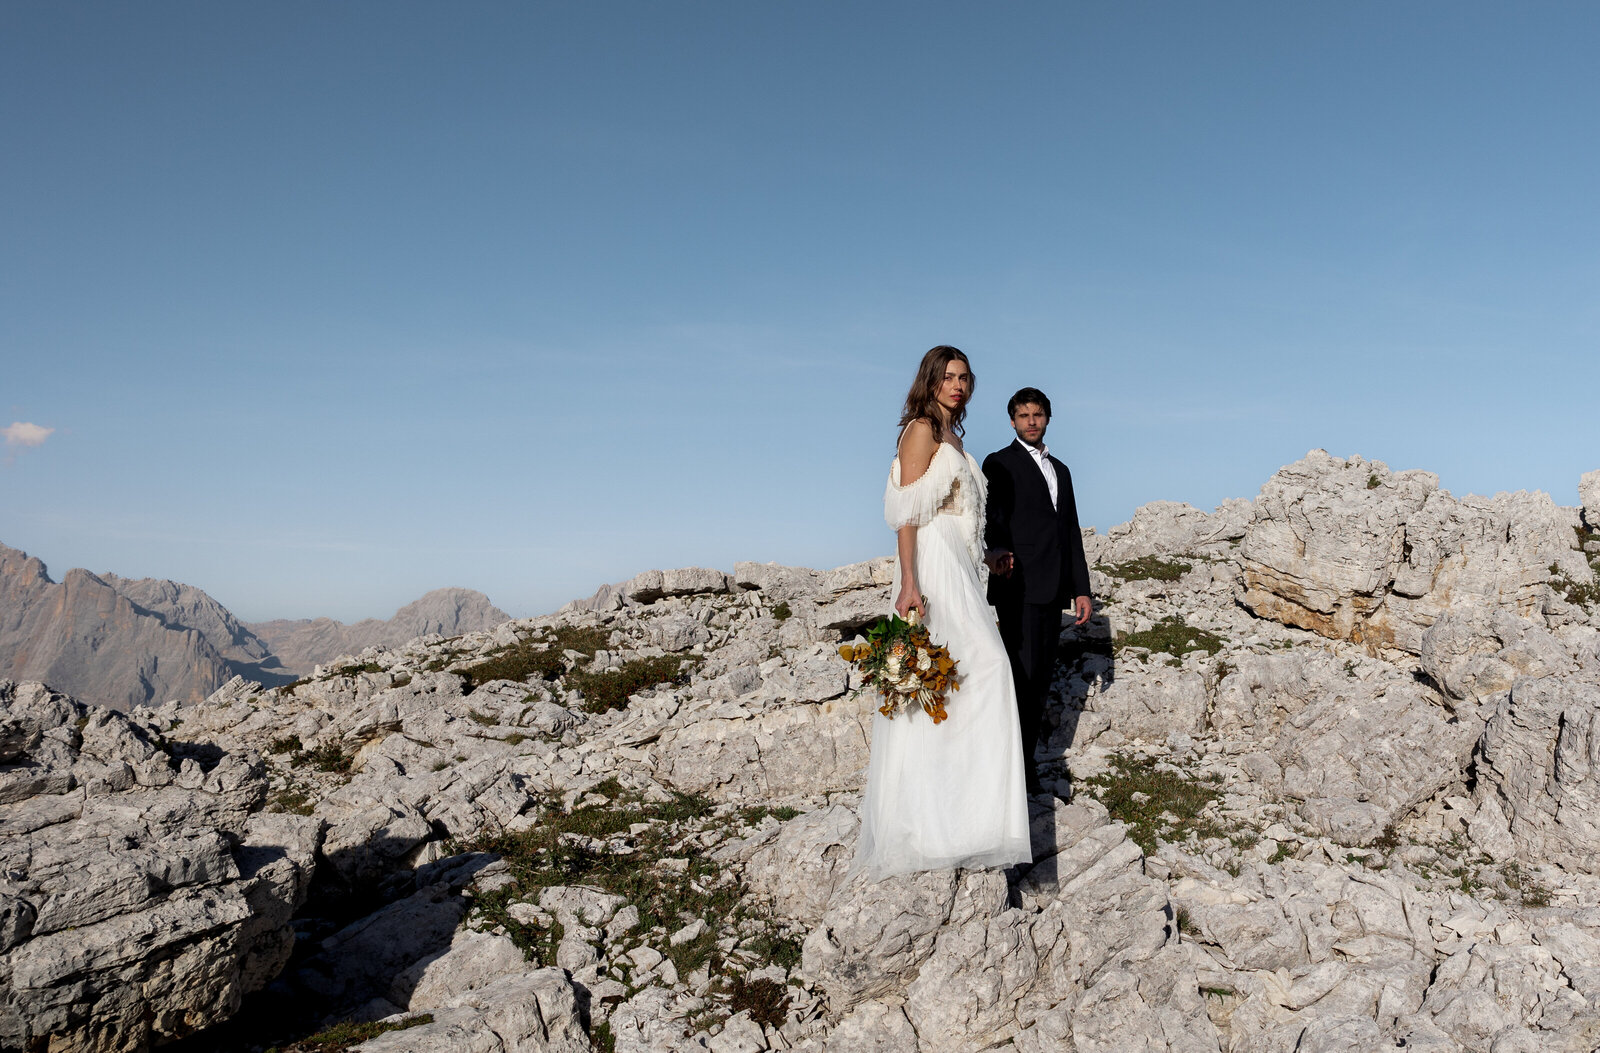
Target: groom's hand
(1000,562)
(1083,608)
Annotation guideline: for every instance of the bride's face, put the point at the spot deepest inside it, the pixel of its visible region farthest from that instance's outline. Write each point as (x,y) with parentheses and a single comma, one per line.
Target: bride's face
(956,387)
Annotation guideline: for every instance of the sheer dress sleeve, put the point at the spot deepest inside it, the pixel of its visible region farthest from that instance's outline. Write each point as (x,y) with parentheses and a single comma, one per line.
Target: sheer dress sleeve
(936,491)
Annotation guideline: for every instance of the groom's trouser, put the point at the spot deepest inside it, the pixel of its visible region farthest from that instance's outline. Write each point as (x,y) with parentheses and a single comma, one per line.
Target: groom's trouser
(1032,635)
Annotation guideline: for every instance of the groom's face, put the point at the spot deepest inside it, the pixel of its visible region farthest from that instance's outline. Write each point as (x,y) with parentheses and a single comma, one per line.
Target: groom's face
(1030,420)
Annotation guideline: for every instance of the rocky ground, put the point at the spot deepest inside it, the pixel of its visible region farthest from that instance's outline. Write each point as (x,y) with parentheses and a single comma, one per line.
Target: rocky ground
(1326,770)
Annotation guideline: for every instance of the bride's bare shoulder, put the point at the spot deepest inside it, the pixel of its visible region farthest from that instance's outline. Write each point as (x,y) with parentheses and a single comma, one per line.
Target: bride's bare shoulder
(917,437)
(917,448)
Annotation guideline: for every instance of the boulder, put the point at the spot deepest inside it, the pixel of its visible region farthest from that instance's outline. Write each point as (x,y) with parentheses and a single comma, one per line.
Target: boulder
(1589,498)
(1168,528)
(1353,551)
(1540,765)
(143,898)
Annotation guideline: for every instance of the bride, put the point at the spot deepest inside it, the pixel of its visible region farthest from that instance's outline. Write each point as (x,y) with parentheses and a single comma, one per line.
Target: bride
(949,795)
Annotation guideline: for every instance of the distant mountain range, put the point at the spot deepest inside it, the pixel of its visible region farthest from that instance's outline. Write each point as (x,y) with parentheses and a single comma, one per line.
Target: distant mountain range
(122,642)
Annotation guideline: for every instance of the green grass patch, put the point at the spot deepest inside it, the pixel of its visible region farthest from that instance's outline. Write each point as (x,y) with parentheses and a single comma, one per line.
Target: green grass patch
(1524,886)
(287,744)
(516,738)
(753,816)
(1373,482)
(1282,852)
(543,856)
(343,1035)
(782,612)
(352,670)
(290,799)
(478,717)
(613,688)
(1171,636)
(1155,802)
(692,954)
(1146,568)
(541,656)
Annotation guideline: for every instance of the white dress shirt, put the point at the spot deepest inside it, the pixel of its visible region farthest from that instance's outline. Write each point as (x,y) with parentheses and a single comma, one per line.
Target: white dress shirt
(1041,457)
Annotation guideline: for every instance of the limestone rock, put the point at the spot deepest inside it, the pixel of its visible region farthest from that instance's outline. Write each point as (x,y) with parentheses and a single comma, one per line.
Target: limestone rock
(1353,551)
(1541,765)
(1168,528)
(873,1027)
(794,749)
(875,936)
(533,1012)
(1589,498)
(800,867)
(1148,701)
(139,898)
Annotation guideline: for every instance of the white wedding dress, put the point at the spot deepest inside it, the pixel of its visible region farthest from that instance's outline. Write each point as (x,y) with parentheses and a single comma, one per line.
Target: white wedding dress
(952,794)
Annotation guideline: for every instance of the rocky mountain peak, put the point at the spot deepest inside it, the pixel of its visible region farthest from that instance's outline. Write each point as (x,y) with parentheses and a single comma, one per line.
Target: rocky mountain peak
(1321,774)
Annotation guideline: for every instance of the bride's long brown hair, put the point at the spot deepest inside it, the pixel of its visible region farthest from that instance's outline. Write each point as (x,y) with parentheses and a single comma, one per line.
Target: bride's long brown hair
(921,400)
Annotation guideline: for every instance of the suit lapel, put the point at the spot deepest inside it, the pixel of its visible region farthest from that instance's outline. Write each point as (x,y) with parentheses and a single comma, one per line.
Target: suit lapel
(1028,467)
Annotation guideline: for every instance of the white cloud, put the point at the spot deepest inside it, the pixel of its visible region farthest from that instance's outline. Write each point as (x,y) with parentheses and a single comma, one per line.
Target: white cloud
(22,433)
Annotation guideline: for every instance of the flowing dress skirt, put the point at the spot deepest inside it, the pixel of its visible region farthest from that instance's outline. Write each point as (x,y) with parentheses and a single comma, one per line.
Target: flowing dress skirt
(951,795)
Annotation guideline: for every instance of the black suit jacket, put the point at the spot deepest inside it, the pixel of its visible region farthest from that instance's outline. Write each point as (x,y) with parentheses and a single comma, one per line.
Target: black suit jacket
(1050,567)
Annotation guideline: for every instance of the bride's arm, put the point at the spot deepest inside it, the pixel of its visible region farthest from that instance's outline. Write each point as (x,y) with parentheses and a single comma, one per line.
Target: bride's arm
(917,447)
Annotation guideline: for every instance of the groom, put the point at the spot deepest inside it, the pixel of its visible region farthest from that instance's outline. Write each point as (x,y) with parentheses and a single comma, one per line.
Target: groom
(1035,556)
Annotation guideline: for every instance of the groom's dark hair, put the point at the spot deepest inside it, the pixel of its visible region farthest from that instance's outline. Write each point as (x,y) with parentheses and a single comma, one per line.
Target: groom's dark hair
(1025,396)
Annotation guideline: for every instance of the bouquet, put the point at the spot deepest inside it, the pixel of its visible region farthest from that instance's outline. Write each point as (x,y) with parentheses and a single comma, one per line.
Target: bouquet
(905,666)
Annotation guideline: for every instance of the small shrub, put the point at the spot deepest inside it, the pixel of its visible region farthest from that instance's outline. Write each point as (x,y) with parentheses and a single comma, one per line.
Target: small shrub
(1147,568)
(364,667)
(601,1038)
(287,744)
(540,656)
(1373,482)
(778,950)
(1580,593)
(782,612)
(1283,851)
(767,1001)
(440,765)
(612,689)
(516,738)
(478,717)
(328,757)
(753,815)
(1171,636)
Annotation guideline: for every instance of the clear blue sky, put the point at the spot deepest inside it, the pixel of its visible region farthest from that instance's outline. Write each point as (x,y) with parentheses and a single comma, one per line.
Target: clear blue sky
(332,303)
